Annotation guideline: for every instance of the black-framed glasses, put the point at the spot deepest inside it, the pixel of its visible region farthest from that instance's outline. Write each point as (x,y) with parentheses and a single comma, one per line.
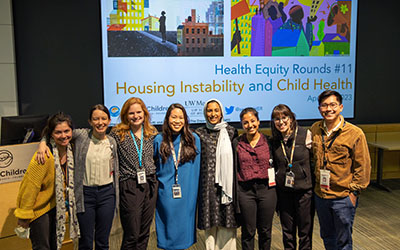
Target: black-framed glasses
(332,105)
(283,119)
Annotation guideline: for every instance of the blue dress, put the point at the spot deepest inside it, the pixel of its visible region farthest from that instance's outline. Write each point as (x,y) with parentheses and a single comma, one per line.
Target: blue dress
(176,218)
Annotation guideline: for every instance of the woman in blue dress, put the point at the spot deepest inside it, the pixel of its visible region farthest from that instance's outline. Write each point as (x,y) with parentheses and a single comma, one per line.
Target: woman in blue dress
(178,173)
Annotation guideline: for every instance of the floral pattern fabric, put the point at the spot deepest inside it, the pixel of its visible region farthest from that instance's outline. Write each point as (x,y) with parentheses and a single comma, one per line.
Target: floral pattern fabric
(210,210)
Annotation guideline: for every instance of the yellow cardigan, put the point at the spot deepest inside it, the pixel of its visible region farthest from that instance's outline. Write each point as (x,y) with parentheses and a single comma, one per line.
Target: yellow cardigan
(36,194)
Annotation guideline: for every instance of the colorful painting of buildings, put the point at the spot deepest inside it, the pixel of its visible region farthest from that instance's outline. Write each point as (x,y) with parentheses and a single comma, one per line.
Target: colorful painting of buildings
(197,40)
(215,17)
(287,42)
(151,23)
(244,24)
(325,23)
(127,15)
(317,48)
(336,44)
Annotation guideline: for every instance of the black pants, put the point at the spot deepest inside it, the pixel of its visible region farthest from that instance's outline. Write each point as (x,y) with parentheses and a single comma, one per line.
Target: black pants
(257,204)
(296,211)
(43,232)
(137,206)
(97,219)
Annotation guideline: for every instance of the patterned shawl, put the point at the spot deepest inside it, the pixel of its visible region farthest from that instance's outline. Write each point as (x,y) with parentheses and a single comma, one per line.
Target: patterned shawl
(61,204)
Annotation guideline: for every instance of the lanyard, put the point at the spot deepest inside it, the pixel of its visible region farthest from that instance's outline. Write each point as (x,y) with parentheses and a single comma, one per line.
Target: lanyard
(176,159)
(137,148)
(64,169)
(329,146)
(292,153)
(65,173)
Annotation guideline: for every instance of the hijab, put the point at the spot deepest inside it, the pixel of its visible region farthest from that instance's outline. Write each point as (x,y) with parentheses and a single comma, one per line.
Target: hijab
(224,156)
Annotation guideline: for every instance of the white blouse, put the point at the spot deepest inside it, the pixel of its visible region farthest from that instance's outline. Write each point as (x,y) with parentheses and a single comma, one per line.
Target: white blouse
(98,163)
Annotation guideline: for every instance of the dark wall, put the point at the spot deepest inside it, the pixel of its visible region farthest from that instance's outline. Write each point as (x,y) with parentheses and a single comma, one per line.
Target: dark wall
(378,51)
(58,54)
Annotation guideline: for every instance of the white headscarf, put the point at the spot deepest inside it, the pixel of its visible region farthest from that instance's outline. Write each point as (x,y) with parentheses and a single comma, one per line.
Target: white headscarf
(224,156)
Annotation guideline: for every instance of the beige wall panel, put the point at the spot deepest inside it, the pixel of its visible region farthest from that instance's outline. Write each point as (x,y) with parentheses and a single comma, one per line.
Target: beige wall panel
(5,12)
(6,44)
(8,88)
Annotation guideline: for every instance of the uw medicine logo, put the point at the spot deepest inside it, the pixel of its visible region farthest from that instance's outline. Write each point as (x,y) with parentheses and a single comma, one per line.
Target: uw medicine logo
(6,158)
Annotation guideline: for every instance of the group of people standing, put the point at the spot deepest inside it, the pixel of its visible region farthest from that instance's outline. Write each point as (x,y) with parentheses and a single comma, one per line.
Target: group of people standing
(230,180)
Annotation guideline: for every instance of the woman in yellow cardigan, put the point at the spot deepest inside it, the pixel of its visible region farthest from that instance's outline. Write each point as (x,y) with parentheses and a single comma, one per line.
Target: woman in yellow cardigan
(46,191)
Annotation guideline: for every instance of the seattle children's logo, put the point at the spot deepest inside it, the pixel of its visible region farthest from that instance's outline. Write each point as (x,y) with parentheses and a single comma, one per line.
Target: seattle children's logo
(6,158)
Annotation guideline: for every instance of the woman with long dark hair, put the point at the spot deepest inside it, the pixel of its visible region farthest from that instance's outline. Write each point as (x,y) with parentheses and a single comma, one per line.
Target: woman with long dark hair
(46,193)
(256,182)
(96,178)
(291,146)
(177,154)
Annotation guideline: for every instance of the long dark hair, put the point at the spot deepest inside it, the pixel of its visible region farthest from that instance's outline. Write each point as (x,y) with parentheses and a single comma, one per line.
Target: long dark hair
(188,151)
(282,109)
(53,121)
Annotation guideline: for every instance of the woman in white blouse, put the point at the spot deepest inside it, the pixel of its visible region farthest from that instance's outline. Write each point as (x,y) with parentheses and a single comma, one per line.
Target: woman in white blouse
(96,178)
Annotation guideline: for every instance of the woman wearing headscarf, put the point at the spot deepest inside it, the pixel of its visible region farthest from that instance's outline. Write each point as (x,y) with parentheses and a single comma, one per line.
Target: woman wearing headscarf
(216,205)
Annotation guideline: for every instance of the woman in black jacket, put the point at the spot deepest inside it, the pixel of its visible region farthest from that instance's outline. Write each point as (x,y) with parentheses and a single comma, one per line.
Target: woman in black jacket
(291,146)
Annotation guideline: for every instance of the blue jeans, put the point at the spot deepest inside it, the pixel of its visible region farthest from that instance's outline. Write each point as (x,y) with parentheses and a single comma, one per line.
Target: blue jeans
(336,217)
(95,223)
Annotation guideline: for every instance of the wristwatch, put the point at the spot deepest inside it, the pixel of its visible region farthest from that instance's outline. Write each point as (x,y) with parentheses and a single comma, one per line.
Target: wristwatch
(356,193)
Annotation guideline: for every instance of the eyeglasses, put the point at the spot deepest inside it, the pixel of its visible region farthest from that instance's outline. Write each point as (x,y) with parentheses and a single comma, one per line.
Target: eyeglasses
(283,119)
(332,105)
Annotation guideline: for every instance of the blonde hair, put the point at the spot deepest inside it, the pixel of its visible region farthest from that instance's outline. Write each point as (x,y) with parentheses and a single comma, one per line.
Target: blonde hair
(123,127)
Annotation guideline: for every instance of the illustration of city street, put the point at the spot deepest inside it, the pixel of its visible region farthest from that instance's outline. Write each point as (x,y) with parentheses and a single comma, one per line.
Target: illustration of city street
(156,28)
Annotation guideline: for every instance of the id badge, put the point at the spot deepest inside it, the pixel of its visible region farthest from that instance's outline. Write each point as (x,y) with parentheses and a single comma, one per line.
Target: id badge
(324,178)
(176,191)
(141,176)
(271,177)
(289,181)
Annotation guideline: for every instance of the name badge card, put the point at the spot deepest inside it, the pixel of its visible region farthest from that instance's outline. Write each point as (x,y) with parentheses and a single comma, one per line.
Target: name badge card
(289,181)
(176,191)
(141,176)
(325,175)
(271,177)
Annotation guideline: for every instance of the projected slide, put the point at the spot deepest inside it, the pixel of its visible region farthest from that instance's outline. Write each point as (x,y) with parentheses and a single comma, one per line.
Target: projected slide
(246,53)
